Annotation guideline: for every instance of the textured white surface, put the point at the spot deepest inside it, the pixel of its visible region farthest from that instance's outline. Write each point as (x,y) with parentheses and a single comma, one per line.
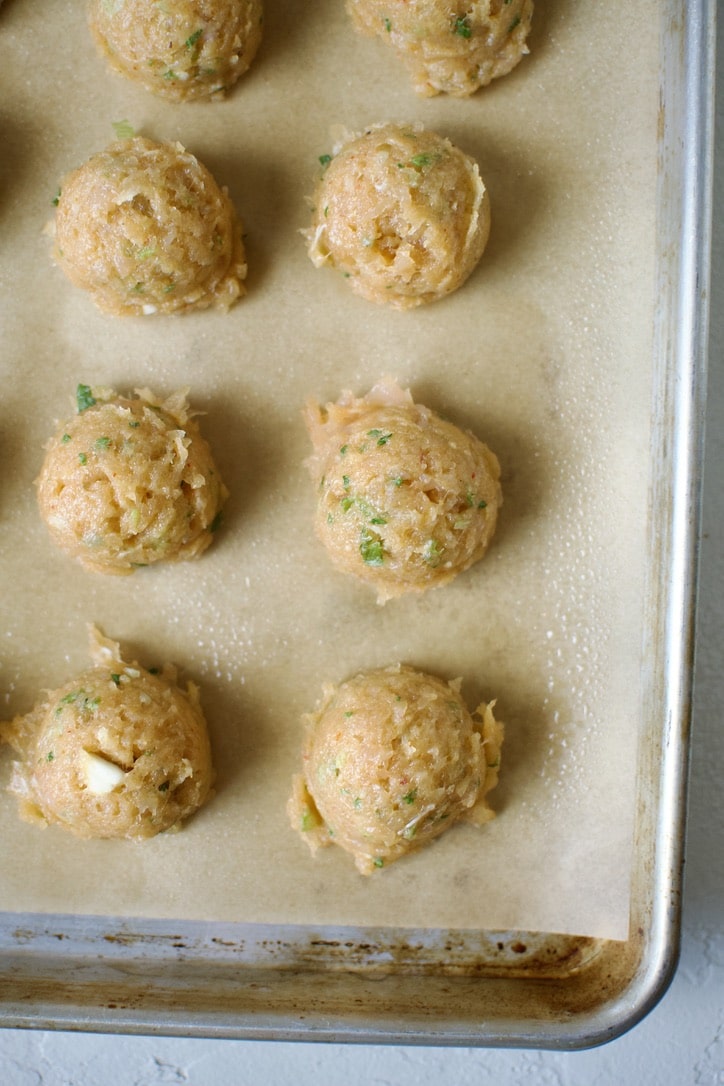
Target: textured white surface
(681,1043)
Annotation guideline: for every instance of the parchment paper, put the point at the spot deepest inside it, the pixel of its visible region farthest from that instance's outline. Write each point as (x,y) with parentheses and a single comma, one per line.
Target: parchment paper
(545,353)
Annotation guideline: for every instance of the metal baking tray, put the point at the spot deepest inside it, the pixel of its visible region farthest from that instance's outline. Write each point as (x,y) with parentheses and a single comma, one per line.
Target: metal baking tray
(460,987)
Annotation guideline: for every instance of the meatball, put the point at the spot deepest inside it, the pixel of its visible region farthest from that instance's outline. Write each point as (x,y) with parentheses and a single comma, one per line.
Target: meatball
(116,752)
(391,759)
(402,213)
(129,481)
(406,500)
(180,49)
(145,229)
(449,46)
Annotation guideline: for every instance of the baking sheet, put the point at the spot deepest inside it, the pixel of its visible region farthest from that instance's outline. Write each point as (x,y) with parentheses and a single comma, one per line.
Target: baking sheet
(545,353)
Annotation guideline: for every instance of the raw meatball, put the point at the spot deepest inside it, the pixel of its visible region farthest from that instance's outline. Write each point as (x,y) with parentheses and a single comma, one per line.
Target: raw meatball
(179,49)
(406,500)
(130,481)
(453,46)
(116,752)
(402,213)
(392,758)
(144,228)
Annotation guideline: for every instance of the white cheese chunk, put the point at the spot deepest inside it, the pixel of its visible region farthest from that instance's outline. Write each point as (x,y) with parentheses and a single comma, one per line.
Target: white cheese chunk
(100,775)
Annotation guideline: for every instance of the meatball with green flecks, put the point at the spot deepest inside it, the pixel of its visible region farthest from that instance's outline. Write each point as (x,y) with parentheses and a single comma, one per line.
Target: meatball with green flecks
(145,229)
(130,481)
(402,213)
(449,46)
(405,499)
(392,758)
(118,751)
(179,49)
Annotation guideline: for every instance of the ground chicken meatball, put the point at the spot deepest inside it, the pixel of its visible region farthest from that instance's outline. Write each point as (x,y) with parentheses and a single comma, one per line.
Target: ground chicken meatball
(145,229)
(391,759)
(179,49)
(406,500)
(402,213)
(128,482)
(449,46)
(116,752)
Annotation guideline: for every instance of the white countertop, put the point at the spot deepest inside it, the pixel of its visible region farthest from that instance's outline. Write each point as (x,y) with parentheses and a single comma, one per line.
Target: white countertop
(680,1043)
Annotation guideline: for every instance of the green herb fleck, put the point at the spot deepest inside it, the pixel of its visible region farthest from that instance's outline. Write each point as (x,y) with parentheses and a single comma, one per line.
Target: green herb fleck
(410,797)
(516,22)
(343,449)
(49,756)
(371,549)
(84,398)
(170,74)
(65,439)
(86,704)
(83,459)
(388,25)
(382,436)
(192,40)
(345,482)
(123,130)
(56,198)
(349,712)
(164,787)
(431,552)
(116,678)
(101,443)
(307,821)
(371,515)
(324,160)
(146,252)
(378,861)
(134,424)
(461,26)
(482,505)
